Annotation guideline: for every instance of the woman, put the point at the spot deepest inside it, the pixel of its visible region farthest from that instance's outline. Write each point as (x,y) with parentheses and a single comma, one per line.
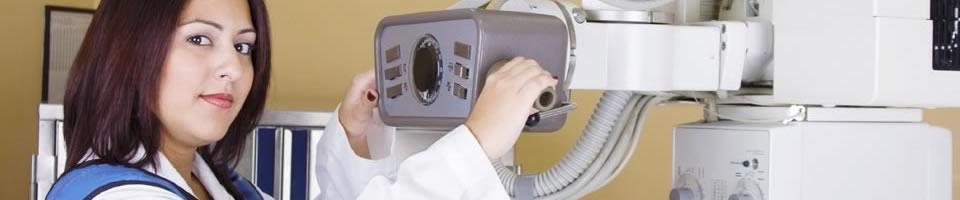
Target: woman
(163,94)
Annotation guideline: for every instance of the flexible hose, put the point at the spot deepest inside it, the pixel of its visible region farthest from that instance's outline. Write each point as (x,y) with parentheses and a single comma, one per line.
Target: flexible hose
(623,151)
(599,155)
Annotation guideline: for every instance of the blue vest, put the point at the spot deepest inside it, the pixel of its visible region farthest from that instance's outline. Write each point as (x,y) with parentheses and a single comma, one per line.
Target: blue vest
(89,180)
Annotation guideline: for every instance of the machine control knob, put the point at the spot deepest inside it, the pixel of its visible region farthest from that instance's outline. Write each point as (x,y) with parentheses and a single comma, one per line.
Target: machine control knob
(682,194)
(740,196)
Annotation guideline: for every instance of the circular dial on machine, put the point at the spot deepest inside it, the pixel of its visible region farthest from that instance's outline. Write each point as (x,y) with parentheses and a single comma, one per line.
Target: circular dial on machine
(687,188)
(740,196)
(748,189)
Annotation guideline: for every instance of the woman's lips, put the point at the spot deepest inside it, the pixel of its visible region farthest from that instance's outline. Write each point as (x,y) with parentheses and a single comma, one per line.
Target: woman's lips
(222,100)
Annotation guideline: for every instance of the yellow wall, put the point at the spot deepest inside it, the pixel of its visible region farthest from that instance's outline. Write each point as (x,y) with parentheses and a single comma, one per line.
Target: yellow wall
(21,53)
(318,46)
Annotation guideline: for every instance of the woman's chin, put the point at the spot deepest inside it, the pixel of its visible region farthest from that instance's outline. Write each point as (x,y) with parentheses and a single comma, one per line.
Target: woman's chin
(208,136)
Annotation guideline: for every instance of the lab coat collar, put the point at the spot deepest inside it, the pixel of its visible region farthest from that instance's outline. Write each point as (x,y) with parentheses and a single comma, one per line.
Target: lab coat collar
(166,170)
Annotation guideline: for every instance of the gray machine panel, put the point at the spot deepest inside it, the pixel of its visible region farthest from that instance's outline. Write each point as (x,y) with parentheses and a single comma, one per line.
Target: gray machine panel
(469,42)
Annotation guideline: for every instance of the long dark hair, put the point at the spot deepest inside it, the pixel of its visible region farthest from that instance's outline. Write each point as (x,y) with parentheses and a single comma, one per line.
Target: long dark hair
(112,88)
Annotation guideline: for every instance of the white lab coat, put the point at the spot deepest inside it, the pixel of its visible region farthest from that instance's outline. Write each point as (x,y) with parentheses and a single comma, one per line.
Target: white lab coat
(454,167)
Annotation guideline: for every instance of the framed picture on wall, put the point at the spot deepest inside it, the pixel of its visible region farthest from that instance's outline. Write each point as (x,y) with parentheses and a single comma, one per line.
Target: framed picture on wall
(64,30)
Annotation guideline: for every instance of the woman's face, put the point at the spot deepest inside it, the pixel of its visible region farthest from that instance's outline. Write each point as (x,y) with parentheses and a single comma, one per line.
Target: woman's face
(208,71)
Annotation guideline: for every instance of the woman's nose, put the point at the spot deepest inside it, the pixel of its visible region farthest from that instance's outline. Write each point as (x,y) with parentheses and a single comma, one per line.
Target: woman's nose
(228,65)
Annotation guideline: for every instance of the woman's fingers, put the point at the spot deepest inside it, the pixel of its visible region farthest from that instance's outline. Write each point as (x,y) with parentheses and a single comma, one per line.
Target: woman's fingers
(357,107)
(362,82)
(365,79)
(507,69)
(522,66)
(497,117)
(529,72)
(527,79)
(371,95)
(363,91)
(531,90)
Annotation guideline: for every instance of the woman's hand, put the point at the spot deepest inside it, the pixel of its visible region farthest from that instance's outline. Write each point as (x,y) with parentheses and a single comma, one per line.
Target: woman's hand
(357,110)
(507,99)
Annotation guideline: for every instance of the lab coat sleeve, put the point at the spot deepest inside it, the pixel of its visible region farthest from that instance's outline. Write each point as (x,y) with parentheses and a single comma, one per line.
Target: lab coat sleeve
(341,173)
(454,167)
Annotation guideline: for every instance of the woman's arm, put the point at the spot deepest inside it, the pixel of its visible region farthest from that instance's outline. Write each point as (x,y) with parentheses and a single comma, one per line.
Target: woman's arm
(454,167)
(341,172)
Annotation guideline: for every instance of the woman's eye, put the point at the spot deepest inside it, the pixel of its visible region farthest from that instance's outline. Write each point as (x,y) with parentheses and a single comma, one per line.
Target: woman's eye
(199,40)
(244,48)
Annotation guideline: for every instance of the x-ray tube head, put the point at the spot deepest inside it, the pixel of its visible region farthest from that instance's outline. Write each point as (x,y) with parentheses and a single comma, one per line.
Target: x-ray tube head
(432,66)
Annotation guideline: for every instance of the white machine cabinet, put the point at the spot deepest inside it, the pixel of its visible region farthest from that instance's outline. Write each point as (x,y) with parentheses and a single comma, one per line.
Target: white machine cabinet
(861,52)
(812,161)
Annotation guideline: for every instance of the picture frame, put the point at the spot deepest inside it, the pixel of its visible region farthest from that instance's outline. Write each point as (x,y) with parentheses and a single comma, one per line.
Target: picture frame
(64,31)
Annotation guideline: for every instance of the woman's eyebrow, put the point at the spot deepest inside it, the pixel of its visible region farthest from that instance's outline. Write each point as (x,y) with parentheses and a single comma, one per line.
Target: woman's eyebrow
(249,30)
(216,25)
(203,21)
